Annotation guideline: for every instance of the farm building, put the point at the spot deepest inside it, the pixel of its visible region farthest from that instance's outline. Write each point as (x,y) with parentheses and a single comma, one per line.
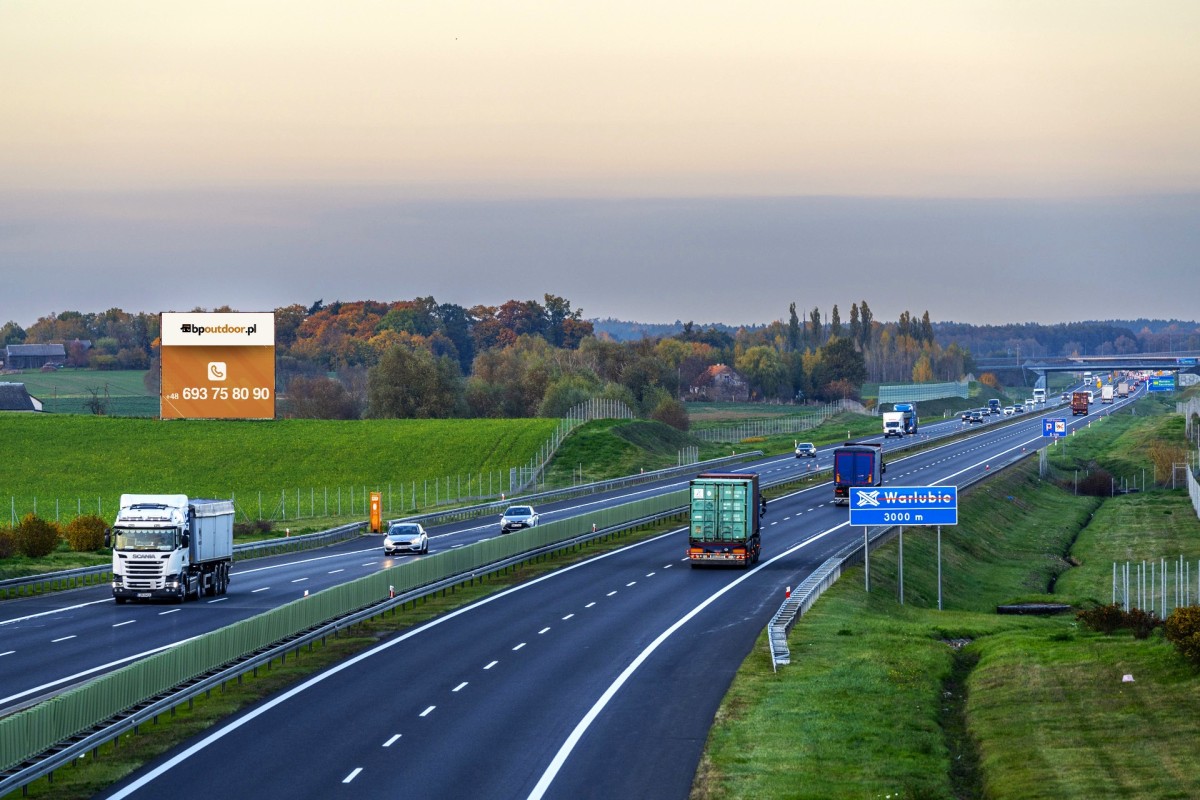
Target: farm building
(34,356)
(14,397)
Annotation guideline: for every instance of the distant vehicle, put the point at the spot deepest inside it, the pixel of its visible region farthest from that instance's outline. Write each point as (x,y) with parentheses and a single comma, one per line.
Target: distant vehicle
(726,511)
(909,410)
(893,424)
(171,547)
(979,414)
(405,537)
(518,518)
(1123,389)
(856,464)
(1019,408)
(1079,404)
(1066,397)
(1106,393)
(1009,411)
(1039,396)
(993,406)
(806,450)
(966,415)
(1091,397)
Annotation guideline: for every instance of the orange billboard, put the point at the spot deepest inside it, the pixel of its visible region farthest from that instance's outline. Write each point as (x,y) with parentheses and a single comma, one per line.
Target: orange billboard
(218,366)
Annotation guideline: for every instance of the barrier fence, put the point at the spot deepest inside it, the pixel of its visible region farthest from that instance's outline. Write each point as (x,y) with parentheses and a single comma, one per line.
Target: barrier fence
(777,426)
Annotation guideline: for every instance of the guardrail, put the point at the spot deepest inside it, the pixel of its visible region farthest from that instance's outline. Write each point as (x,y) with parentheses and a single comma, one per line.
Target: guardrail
(86,576)
(826,575)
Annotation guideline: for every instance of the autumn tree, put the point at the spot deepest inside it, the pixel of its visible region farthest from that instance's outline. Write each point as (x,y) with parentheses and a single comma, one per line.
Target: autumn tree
(408,384)
(319,397)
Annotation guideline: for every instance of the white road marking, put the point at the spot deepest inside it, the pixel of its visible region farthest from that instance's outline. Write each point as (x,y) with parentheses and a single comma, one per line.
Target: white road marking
(62,639)
(7,653)
(428,711)
(492,664)
(172,611)
(392,741)
(543,630)
(54,611)
(518,647)
(610,594)
(650,574)
(299,580)
(589,605)
(218,600)
(461,686)
(126,622)
(263,589)
(352,775)
(567,617)
(336,571)
(631,583)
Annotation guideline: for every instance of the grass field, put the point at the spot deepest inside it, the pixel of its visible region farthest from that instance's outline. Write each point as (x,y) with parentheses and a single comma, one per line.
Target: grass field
(81,461)
(884,700)
(68,390)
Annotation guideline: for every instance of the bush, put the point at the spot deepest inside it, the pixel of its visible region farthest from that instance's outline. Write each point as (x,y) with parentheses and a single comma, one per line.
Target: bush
(36,537)
(248,528)
(1182,629)
(1142,623)
(1103,619)
(8,542)
(85,534)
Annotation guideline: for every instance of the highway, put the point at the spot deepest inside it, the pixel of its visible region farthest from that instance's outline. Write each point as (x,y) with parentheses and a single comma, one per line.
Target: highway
(599,680)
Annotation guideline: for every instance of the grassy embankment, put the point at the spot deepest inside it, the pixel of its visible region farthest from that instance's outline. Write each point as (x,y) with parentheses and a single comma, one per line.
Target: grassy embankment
(903,701)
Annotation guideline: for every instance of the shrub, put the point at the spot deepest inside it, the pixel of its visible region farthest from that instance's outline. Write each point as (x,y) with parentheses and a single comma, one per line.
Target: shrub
(36,537)
(248,528)
(85,533)
(1142,623)
(8,542)
(1104,619)
(1182,629)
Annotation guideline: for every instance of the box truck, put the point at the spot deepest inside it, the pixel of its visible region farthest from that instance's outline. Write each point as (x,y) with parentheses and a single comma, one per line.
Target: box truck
(893,424)
(1079,404)
(166,546)
(1106,393)
(726,513)
(1123,389)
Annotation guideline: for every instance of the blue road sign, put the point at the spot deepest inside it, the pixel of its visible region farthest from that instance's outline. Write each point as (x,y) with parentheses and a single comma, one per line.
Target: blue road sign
(1054,427)
(1185,362)
(1161,383)
(904,505)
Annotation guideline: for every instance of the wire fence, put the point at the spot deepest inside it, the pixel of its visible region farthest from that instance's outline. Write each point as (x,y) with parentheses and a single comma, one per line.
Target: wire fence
(776,426)
(1155,586)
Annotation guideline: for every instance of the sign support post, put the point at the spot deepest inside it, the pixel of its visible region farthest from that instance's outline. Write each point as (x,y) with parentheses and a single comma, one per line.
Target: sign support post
(939,567)
(901,565)
(866,559)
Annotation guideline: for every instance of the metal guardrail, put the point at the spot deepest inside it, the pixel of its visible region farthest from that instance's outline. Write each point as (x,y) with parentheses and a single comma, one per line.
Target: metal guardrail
(496,506)
(85,576)
(826,575)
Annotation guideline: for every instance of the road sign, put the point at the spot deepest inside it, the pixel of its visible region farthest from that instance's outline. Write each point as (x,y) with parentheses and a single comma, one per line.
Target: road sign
(1185,362)
(904,505)
(1054,427)
(1161,383)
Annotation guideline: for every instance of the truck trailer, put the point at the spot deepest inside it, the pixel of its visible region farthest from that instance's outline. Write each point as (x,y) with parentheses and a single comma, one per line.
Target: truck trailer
(1106,393)
(856,464)
(168,547)
(909,410)
(726,514)
(1079,404)
(1123,389)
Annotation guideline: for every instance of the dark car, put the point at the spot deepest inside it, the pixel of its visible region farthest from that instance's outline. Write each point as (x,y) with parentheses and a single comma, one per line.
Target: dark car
(806,450)
(966,415)
(979,414)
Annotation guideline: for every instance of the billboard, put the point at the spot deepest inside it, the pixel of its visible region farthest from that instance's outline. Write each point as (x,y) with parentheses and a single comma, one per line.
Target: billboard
(218,365)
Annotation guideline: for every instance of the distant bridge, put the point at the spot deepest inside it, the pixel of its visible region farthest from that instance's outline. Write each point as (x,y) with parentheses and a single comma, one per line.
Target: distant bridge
(1173,362)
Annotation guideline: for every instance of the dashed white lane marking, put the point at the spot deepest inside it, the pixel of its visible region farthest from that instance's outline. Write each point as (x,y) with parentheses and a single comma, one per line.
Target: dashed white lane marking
(62,638)
(631,583)
(567,617)
(7,653)
(668,566)
(460,687)
(492,664)
(299,580)
(649,574)
(263,589)
(518,647)
(589,605)
(172,611)
(335,571)
(218,600)
(428,711)
(392,741)
(117,625)
(352,775)
(543,630)
(370,563)
(610,594)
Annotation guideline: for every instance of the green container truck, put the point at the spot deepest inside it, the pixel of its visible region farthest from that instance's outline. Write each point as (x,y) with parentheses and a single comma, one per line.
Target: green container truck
(726,513)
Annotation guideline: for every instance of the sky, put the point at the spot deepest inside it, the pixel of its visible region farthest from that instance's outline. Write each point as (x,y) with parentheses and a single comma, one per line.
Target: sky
(655,160)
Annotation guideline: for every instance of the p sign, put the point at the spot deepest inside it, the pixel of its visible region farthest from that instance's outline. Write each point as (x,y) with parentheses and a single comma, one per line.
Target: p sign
(1054,427)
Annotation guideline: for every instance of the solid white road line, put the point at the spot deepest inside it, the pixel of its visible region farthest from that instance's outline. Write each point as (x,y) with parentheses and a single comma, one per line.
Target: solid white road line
(54,611)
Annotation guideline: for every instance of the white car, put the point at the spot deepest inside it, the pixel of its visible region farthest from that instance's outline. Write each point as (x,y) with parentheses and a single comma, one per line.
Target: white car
(1009,410)
(405,537)
(518,518)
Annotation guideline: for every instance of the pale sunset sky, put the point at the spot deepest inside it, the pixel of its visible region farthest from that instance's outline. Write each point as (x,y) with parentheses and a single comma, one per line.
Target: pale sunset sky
(652,160)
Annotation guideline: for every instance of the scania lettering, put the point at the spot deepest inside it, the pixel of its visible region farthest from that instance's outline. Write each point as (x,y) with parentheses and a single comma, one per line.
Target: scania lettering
(856,464)
(168,547)
(726,512)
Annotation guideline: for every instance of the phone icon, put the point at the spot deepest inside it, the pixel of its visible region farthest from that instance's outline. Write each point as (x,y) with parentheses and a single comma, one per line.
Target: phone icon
(216,370)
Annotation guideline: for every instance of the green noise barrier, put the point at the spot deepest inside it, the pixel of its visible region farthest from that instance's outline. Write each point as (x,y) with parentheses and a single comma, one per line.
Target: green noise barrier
(28,733)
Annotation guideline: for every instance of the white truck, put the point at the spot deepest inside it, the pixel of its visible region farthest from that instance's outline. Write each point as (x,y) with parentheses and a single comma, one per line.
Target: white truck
(1106,393)
(893,423)
(166,546)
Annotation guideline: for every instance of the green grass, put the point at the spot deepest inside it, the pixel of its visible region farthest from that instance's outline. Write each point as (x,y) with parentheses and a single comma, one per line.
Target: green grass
(871,705)
(66,391)
(80,461)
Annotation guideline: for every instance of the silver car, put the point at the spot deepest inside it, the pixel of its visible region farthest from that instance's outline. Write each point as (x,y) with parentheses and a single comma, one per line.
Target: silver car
(405,537)
(806,450)
(518,518)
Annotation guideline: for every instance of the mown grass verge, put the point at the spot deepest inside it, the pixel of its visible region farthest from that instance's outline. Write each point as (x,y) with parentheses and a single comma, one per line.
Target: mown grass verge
(872,705)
